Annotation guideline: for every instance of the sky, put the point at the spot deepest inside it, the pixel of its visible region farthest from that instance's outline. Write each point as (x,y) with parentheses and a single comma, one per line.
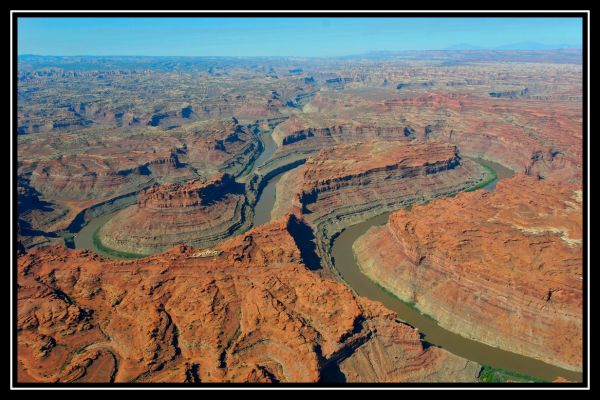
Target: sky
(301,37)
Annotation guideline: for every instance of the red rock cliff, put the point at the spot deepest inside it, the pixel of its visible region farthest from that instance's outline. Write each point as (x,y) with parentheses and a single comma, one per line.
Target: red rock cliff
(248,310)
(504,268)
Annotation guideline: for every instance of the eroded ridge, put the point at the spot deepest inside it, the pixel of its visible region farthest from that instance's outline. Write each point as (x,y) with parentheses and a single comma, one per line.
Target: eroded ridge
(346,184)
(503,268)
(248,311)
(196,213)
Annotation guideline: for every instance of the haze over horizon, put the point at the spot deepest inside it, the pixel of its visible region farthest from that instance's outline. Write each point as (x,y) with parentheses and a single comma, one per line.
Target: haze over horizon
(291,37)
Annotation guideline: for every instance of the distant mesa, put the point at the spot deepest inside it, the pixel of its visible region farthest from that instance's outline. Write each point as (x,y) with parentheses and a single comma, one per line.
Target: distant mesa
(511,94)
(407,85)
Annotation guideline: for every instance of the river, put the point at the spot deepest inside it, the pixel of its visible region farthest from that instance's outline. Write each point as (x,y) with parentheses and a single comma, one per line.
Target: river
(501,172)
(84,239)
(345,264)
(266,198)
(269,148)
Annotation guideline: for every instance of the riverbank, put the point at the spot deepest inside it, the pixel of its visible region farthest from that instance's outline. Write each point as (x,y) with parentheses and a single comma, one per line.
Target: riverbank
(87,238)
(528,369)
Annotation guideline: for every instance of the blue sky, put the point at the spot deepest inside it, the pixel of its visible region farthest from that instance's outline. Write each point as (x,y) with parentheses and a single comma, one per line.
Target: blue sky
(304,37)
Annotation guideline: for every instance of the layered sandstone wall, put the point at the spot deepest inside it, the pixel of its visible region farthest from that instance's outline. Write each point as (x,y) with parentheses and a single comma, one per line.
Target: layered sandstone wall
(503,268)
(195,213)
(346,184)
(539,138)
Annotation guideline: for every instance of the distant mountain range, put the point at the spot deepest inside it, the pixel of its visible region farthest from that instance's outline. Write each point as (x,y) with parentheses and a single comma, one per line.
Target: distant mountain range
(460,53)
(515,46)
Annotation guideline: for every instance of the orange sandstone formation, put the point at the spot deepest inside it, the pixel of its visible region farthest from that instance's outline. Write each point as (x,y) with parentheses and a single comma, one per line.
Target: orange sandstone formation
(503,268)
(245,311)
(346,184)
(195,213)
(73,175)
(374,173)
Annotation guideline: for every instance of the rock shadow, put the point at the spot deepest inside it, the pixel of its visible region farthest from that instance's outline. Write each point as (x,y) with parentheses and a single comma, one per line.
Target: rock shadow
(305,240)
(332,374)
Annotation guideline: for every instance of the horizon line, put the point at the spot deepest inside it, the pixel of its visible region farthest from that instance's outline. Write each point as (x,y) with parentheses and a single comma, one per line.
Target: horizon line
(296,56)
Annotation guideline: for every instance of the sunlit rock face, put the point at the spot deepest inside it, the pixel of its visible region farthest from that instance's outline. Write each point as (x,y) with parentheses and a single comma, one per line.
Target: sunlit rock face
(196,213)
(504,268)
(346,184)
(247,311)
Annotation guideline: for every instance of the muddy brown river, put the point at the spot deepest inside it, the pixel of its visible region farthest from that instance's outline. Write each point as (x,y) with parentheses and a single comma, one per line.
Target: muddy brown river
(345,264)
(266,202)
(266,199)
(269,148)
(501,172)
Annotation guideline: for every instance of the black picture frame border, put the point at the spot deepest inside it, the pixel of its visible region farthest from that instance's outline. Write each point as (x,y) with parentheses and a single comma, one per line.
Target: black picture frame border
(317,14)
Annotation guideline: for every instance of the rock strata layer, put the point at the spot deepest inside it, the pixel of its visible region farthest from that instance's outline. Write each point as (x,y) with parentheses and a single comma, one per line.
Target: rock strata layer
(246,311)
(503,268)
(195,213)
(74,175)
(346,184)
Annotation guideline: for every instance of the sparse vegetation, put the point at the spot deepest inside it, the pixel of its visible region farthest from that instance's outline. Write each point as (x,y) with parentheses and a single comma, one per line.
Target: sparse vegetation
(111,252)
(491,176)
(498,375)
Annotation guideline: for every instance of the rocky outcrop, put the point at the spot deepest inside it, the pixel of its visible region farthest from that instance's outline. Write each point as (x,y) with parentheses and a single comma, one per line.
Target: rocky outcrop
(550,163)
(291,132)
(299,138)
(510,94)
(85,177)
(337,83)
(195,213)
(92,172)
(503,267)
(346,184)
(248,311)
(406,85)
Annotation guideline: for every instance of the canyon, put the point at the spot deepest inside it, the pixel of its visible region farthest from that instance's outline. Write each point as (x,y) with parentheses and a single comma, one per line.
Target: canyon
(301,220)
(249,311)
(503,267)
(345,184)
